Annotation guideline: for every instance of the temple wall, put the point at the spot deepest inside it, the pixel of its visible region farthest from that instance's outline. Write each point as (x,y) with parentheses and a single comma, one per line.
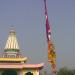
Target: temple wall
(24,71)
(33,71)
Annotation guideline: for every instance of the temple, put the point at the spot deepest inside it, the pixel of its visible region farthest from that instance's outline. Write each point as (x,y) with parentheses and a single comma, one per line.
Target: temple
(13,63)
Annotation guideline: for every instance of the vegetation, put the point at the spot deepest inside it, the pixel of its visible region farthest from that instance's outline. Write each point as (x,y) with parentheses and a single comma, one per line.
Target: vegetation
(62,71)
(66,71)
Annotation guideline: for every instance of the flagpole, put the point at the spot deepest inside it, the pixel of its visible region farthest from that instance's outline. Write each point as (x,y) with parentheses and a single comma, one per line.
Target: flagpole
(51,52)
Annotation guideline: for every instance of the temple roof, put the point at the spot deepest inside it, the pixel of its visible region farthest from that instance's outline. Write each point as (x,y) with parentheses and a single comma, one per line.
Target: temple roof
(20,65)
(22,59)
(12,49)
(12,42)
(12,59)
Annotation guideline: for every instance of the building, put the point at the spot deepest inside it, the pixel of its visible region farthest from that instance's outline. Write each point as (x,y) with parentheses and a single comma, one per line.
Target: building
(13,63)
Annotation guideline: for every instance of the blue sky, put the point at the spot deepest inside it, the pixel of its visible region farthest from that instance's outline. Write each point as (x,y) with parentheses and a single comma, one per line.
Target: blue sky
(27,17)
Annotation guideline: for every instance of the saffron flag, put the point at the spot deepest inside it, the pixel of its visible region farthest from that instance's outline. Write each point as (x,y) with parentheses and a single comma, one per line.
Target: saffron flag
(51,52)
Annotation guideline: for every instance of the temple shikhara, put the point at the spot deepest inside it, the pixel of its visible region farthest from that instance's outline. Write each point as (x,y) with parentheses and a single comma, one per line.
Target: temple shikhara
(13,63)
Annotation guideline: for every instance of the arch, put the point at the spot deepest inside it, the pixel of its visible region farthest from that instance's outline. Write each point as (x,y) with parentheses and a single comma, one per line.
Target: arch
(9,72)
(28,73)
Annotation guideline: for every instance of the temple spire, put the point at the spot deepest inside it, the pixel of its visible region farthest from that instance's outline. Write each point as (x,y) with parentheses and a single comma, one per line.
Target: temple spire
(12,42)
(12,47)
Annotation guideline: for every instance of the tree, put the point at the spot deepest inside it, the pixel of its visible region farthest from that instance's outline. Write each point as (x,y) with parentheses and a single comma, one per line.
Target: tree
(65,71)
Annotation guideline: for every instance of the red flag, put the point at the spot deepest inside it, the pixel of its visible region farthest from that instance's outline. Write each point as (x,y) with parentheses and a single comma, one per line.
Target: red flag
(48,29)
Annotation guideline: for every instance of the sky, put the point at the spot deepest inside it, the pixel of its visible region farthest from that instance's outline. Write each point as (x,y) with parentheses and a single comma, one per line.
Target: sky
(28,19)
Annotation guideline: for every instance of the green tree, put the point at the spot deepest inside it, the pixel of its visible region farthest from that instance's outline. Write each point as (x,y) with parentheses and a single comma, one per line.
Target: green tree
(65,71)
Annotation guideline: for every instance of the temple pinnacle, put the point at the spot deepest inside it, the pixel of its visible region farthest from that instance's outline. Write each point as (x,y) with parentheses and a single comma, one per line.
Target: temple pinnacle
(12,42)
(12,47)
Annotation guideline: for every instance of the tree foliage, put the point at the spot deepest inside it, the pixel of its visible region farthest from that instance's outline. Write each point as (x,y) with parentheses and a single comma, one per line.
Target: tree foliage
(66,71)
(62,71)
